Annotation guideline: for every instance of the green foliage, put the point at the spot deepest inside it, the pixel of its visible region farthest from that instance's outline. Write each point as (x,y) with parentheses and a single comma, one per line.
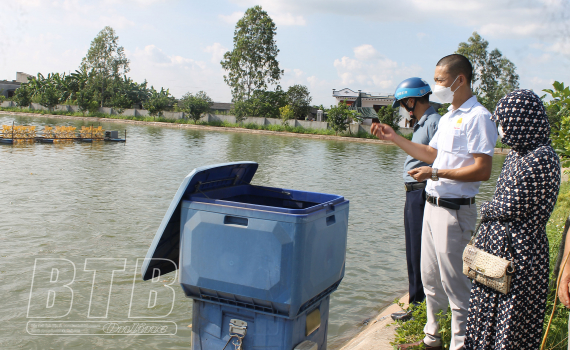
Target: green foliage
(494,76)
(196,105)
(262,103)
(22,96)
(559,117)
(49,97)
(107,62)
(286,114)
(158,102)
(443,109)
(338,117)
(86,102)
(407,136)
(390,116)
(266,104)
(499,144)
(252,64)
(299,100)
(241,110)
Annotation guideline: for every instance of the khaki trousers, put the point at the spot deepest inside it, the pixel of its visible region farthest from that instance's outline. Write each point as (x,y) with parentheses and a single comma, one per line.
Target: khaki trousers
(445,234)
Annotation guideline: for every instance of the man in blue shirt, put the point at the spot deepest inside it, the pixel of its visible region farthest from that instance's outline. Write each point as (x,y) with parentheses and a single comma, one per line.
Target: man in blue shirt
(413,95)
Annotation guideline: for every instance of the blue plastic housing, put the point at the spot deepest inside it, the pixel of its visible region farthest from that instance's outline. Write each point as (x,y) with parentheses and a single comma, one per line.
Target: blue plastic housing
(272,250)
(210,328)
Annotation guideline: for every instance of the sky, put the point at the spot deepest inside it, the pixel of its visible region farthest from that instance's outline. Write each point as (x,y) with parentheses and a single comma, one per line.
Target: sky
(368,45)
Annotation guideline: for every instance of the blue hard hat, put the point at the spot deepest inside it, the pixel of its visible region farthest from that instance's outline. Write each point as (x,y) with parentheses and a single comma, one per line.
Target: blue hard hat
(411,87)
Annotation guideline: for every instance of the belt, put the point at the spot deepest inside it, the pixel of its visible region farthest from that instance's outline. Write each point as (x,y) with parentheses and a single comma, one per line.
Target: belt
(450,203)
(414,186)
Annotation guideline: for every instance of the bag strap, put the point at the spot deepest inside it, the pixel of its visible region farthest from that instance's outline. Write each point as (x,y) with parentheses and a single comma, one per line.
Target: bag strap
(509,237)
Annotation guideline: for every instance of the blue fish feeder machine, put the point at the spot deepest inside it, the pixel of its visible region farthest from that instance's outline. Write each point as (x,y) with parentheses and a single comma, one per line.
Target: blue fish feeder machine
(259,262)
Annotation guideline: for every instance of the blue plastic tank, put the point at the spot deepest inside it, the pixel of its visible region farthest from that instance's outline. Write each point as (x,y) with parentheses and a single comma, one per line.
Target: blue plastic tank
(270,250)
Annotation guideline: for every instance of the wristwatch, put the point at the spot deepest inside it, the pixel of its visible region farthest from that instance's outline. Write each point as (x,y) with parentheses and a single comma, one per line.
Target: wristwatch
(434,176)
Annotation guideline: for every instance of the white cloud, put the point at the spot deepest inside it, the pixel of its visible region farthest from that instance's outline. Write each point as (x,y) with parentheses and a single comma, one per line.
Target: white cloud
(179,74)
(217,50)
(231,19)
(561,47)
(510,30)
(421,35)
(371,70)
(287,19)
(366,53)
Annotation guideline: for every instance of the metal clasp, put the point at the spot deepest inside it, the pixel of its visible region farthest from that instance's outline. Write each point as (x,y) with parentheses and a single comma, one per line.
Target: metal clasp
(238,327)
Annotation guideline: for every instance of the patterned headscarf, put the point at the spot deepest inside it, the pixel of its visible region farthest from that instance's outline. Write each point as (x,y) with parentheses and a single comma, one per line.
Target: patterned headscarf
(524,121)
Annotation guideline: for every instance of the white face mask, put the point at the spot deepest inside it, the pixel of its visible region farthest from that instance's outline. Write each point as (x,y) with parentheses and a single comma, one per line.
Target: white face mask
(444,94)
(501,132)
(405,113)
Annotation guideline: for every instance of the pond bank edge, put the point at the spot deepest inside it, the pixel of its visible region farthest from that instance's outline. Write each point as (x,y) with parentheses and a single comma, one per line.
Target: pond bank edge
(213,128)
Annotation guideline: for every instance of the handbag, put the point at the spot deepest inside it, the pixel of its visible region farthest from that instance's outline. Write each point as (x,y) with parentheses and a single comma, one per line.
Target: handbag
(488,269)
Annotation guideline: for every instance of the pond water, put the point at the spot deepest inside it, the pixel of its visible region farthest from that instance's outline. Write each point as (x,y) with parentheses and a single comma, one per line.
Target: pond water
(105,200)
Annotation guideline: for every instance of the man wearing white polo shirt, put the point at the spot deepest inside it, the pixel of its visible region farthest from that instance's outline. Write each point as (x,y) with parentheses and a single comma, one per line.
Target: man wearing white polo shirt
(461,153)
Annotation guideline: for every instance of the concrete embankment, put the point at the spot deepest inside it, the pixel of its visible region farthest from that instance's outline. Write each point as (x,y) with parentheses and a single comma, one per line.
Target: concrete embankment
(379,332)
(212,128)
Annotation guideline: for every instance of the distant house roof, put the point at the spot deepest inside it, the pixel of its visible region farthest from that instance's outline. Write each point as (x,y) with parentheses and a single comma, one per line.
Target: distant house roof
(366,112)
(348,94)
(222,106)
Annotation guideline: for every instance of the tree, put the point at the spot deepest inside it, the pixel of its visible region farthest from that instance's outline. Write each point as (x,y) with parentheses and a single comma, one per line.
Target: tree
(494,76)
(252,64)
(338,117)
(22,96)
(286,114)
(196,105)
(107,60)
(299,99)
(266,104)
(86,101)
(49,97)
(390,116)
(262,103)
(158,101)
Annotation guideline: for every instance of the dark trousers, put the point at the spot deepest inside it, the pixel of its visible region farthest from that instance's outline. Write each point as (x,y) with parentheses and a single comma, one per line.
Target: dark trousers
(413,220)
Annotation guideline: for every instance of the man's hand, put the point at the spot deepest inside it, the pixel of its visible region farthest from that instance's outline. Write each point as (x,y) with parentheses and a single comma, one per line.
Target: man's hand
(563,293)
(421,174)
(382,131)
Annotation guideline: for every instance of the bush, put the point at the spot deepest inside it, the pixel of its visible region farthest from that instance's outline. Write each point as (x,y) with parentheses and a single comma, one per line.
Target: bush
(287,113)
(338,117)
(558,111)
(390,116)
(196,105)
(22,96)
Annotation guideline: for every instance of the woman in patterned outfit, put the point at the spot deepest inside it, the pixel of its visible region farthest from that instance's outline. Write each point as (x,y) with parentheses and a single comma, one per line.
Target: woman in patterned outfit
(525,196)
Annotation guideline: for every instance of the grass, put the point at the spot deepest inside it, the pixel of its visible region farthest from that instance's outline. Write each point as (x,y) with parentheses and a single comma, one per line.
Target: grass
(251,126)
(412,331)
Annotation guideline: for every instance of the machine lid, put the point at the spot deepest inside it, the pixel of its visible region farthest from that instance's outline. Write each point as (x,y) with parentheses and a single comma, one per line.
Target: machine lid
(165,247)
